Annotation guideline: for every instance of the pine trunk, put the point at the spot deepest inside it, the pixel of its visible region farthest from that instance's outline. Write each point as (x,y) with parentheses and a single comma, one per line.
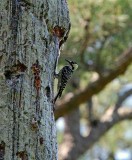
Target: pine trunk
(31,32)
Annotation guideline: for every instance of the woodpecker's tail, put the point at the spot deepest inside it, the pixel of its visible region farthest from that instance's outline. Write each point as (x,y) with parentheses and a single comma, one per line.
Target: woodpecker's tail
(58,95)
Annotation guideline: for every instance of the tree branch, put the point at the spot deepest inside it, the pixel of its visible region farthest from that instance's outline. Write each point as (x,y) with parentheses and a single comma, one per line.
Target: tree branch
(105,125)
(106,122)
(122,97)
(68,104)
(85,41)
(78,144)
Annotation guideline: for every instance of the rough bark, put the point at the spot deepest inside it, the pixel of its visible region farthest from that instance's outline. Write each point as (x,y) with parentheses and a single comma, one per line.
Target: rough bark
(68,104)
(30,33)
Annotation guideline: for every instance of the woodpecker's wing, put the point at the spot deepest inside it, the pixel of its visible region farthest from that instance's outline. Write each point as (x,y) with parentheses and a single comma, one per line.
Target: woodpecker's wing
(59,81)
(65,75)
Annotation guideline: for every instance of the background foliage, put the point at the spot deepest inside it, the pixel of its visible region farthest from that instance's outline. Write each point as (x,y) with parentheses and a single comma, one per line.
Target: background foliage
(100,32)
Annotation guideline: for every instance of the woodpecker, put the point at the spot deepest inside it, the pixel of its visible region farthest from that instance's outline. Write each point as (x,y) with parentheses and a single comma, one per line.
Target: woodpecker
(64,75)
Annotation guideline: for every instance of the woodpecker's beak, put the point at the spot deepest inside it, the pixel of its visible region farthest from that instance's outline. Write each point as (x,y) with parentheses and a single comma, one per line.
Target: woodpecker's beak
(67,61)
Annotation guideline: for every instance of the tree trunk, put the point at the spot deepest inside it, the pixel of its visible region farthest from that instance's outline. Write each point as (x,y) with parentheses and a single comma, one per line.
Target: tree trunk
(31,34)
(72,138)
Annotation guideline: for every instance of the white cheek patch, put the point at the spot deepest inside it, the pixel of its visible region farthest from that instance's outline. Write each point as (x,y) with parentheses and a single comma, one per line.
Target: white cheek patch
(75,66)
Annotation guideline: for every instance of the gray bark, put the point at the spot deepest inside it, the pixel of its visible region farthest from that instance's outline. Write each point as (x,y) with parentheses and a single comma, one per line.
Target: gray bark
(30,33)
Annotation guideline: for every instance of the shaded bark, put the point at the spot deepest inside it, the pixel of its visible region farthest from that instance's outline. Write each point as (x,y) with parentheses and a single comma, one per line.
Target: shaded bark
(69,104)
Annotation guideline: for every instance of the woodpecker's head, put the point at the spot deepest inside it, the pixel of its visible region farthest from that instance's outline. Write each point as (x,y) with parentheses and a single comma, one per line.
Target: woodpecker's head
(73,64)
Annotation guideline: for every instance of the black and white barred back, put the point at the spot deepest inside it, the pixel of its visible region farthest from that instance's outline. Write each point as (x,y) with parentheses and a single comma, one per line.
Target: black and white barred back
(64,75)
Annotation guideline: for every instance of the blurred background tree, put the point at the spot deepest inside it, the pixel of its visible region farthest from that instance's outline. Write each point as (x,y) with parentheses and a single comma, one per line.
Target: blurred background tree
(96,99)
